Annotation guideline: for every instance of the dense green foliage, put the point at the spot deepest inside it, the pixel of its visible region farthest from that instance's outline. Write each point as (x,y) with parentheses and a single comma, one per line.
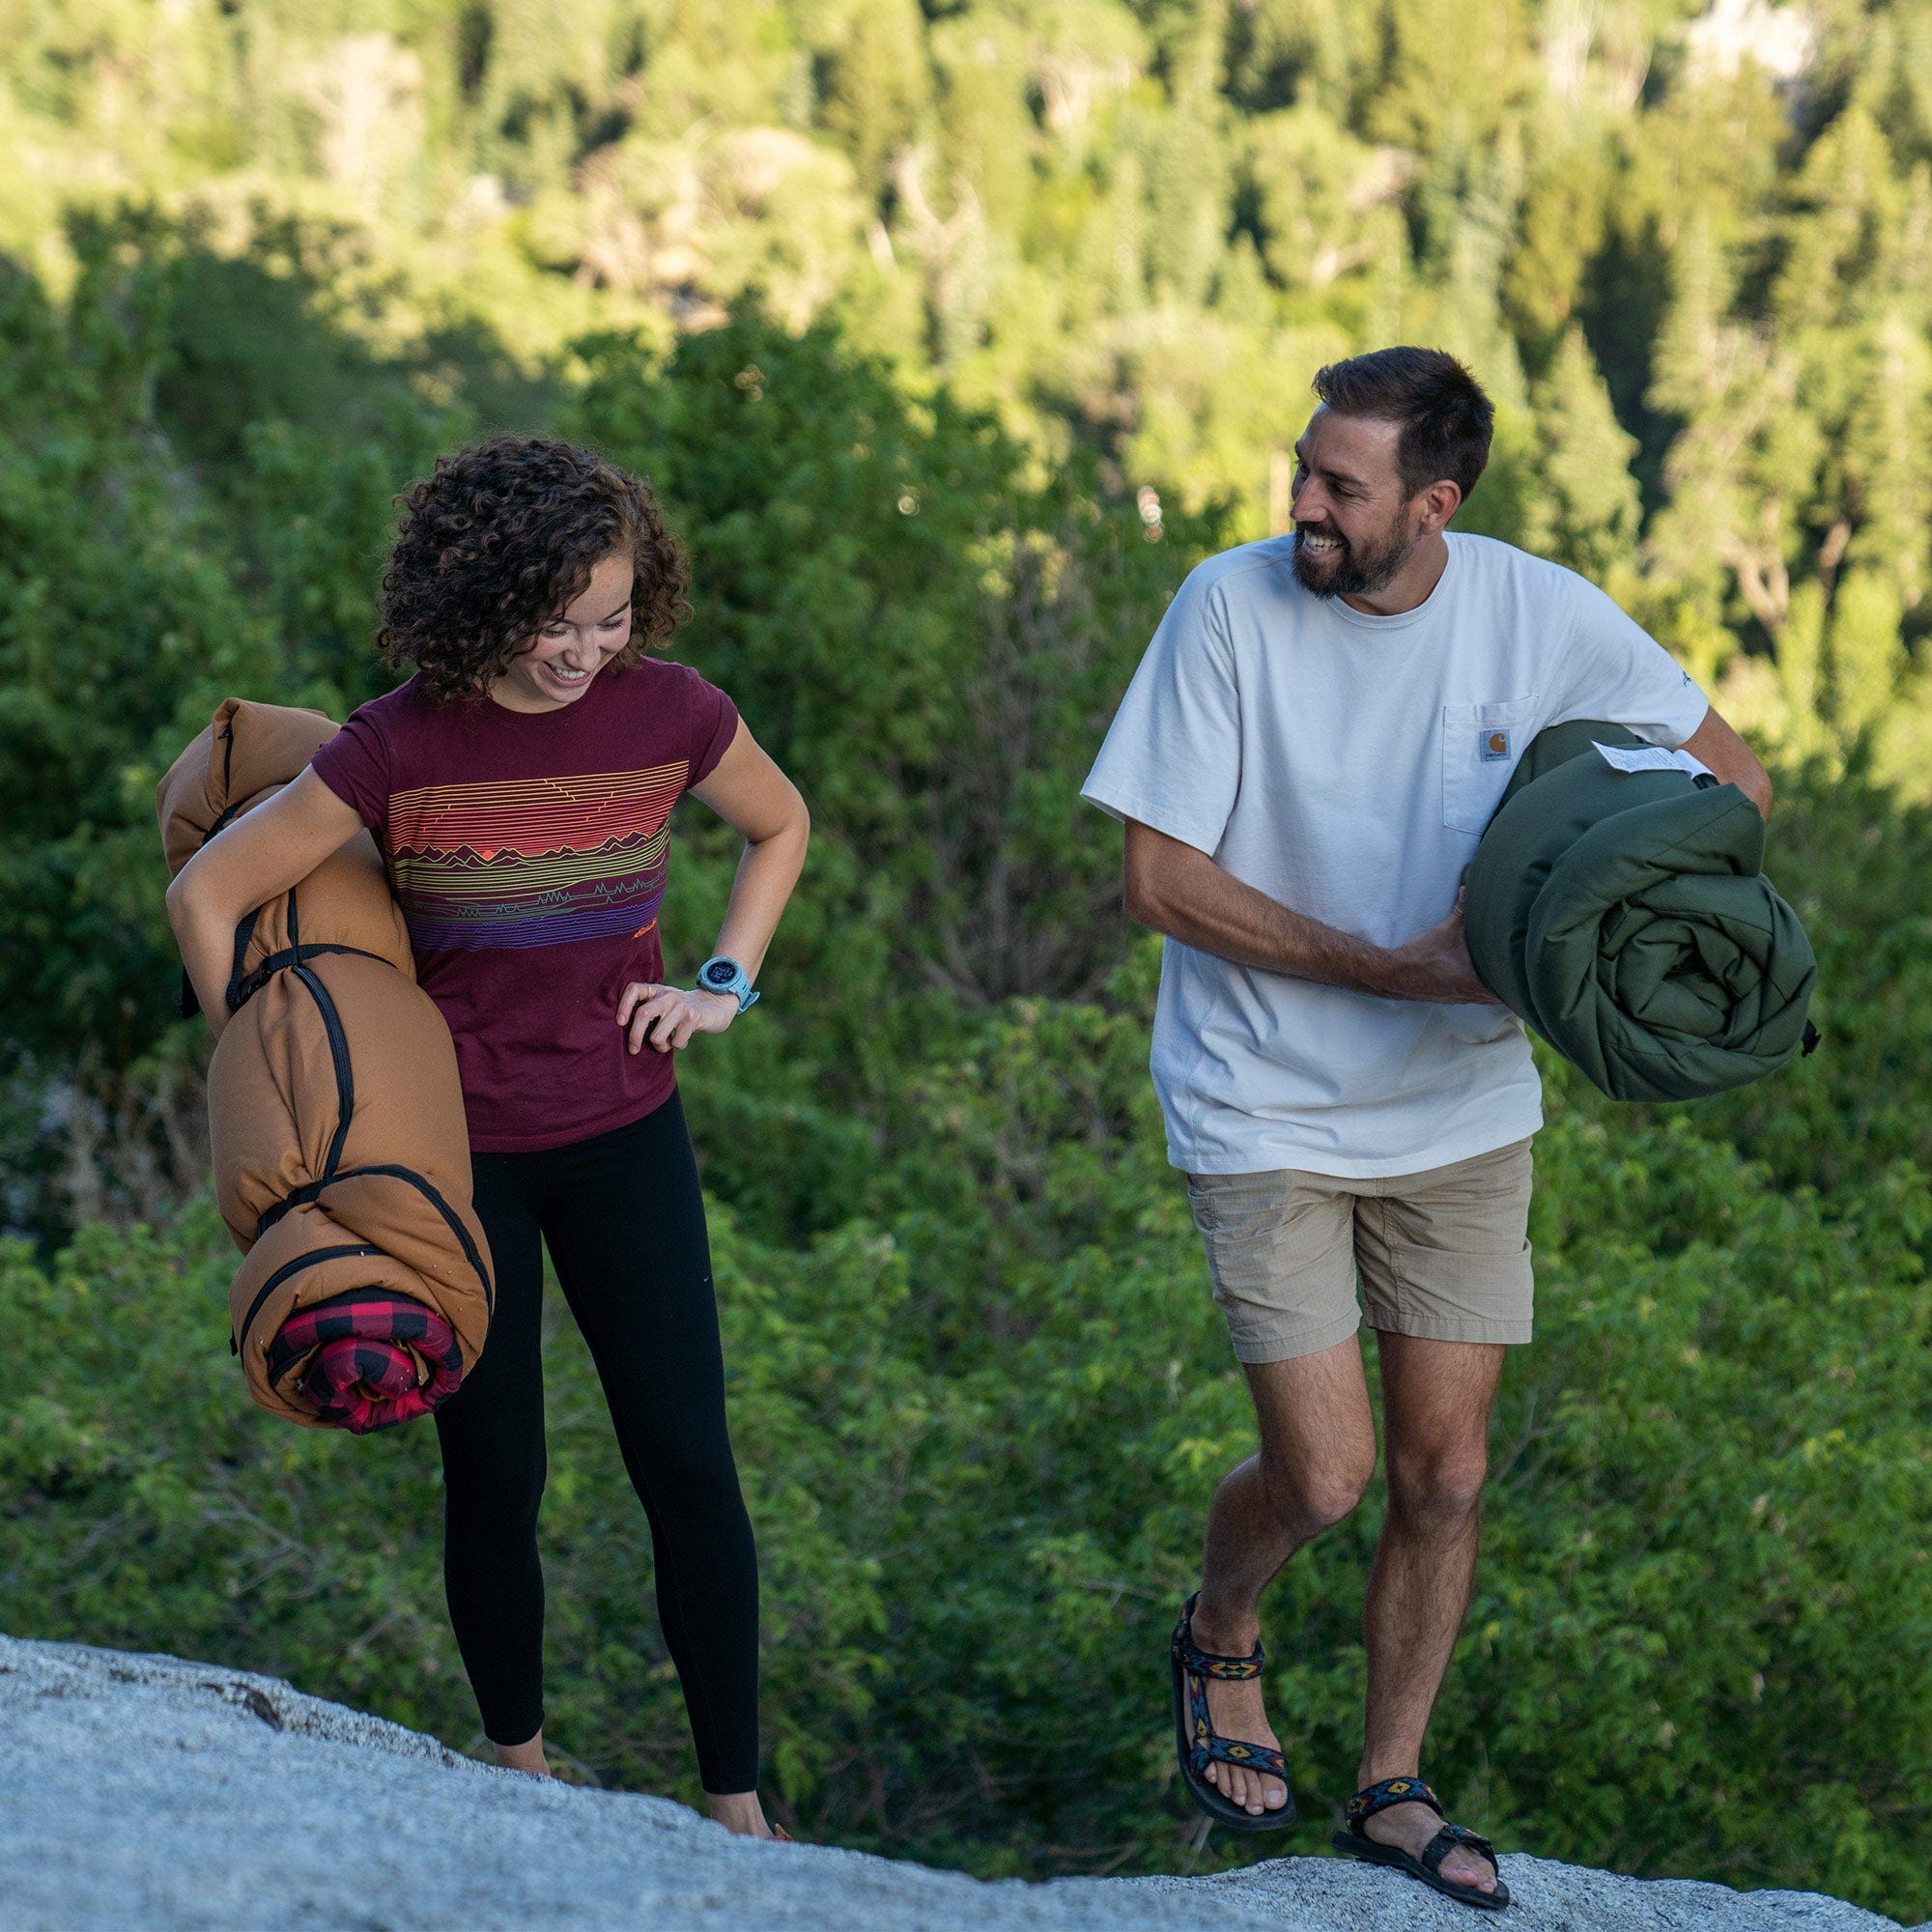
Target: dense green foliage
(979,1425)
(902,306)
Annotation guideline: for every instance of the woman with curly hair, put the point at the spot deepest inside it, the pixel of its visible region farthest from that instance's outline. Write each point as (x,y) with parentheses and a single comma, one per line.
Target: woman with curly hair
(519,785)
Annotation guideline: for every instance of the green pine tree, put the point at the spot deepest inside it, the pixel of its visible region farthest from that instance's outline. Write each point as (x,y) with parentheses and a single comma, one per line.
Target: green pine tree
(1586,512)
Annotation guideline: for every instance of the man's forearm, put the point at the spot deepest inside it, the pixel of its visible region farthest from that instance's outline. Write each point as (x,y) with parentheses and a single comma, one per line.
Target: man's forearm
(1213,911)
(1179,891)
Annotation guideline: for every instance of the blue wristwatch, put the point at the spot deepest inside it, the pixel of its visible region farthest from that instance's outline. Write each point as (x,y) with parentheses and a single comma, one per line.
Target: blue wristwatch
(720,974)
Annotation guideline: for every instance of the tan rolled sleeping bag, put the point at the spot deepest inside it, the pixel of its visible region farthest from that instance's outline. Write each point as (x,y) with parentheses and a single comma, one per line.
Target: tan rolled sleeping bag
(341,1160)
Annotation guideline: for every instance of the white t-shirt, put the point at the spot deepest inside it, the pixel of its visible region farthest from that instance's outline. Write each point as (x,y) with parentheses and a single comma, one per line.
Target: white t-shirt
(1345,765)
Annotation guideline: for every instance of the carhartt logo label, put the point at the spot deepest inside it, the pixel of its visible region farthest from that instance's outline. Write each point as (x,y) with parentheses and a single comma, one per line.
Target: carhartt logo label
(1495,745)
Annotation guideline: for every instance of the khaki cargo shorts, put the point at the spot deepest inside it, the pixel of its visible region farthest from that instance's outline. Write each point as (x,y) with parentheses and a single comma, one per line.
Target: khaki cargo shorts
(1443,1254)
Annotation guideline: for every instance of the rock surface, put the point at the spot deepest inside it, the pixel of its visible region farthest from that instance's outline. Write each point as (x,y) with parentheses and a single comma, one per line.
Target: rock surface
(143,1794)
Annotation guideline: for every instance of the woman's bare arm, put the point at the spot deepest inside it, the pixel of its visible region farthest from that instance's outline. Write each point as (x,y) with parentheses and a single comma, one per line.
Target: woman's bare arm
(748,792)
(752,796)
(272,848)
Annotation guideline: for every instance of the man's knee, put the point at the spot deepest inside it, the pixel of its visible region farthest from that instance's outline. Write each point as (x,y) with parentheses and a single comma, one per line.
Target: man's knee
(1320,1494)
(1442,1487)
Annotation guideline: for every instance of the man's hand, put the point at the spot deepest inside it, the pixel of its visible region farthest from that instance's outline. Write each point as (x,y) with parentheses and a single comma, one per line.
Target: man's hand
(1434,965)
(666,1017)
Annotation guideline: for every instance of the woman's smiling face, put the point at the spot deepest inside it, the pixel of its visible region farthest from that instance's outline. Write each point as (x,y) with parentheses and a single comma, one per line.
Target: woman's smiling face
(556,666)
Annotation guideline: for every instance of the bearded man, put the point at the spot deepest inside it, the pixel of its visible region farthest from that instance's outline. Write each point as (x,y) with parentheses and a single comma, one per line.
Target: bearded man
(1304,763)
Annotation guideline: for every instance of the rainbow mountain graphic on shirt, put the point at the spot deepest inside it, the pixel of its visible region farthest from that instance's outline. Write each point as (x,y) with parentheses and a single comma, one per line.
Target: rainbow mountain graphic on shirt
(533,862)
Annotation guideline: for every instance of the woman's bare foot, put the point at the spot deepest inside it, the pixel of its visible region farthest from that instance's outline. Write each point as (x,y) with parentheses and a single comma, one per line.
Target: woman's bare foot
(528,1757)
(739,1811)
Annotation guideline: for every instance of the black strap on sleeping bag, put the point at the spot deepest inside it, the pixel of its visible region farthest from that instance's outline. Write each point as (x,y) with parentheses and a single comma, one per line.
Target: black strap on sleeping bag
(313,1190)
(276,962)
(241,990)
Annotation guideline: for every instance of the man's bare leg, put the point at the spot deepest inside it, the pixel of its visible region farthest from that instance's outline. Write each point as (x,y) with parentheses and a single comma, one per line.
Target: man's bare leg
(1435,1419)
(1318,1453)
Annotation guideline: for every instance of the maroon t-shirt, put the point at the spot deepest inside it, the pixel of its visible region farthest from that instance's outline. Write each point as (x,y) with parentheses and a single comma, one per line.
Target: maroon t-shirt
(527,850)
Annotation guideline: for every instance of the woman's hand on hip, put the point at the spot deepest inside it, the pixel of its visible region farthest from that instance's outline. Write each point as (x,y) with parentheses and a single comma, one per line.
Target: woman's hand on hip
(666,1017)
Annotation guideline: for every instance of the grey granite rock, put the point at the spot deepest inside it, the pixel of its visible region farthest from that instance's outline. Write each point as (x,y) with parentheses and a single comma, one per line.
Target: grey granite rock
(143,1794)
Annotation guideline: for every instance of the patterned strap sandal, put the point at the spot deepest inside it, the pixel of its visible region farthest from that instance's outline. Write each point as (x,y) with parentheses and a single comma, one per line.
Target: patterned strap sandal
(1197,1744)
(1429,1867)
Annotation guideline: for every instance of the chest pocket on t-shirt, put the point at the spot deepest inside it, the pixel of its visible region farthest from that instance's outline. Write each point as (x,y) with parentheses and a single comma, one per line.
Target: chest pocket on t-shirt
(1481,744)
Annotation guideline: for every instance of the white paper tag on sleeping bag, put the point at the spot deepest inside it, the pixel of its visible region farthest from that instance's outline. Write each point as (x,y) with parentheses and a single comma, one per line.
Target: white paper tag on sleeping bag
(1649,758)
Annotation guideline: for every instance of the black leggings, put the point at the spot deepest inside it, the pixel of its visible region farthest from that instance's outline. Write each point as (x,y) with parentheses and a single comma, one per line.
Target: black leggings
(624,1221)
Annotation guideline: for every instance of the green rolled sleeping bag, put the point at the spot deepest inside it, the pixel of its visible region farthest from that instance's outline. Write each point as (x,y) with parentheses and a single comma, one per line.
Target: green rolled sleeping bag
(1623,916)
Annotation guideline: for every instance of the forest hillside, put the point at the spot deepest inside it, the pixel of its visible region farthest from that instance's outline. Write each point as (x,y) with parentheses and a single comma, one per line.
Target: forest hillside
(952,335)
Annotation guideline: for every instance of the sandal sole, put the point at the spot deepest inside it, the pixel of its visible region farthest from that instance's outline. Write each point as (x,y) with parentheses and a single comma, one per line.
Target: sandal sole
(1372,1853)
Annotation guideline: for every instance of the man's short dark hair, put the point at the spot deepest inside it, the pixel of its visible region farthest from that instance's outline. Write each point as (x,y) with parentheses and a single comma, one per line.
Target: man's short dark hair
(1446,419)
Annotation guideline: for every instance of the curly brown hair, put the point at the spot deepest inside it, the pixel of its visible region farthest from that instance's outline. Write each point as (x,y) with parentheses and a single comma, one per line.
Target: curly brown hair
(498,539)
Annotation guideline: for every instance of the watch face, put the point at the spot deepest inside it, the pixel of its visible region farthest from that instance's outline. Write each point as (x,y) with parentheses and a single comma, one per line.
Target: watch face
(718,974)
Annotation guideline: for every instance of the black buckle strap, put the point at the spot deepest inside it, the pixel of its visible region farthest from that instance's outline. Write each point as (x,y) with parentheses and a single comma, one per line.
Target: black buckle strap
(1449,1838)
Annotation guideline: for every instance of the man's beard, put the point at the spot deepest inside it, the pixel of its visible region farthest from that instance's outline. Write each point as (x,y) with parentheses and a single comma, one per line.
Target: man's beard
(1361,570)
